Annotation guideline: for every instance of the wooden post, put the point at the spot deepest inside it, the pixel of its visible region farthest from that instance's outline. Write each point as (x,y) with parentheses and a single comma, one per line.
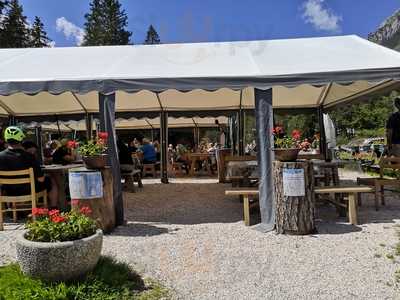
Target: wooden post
(294,197)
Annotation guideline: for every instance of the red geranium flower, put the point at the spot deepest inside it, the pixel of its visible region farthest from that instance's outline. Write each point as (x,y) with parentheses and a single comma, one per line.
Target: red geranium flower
(74,202)
(85,210)
(103,135)
(296,134)
(72,144)
(39,211)
(279,129)
(58,219)
(54,212)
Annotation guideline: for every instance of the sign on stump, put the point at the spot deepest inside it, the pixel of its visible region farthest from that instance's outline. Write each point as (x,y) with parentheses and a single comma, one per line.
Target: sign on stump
(294,197)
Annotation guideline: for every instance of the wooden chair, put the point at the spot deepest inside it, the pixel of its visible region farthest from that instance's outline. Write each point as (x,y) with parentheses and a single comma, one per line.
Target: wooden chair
(380,182)
(20,203)
(130,175)
(149,169)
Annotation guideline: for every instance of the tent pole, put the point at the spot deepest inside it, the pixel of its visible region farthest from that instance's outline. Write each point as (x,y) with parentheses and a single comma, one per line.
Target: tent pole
(164,145)
(39,143)
(107,124)
(89,126)
(264,124)
(241,126)
(12,121)
(322,145)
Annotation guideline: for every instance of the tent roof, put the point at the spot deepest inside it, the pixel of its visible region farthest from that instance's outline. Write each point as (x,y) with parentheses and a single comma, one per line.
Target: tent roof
(193,77)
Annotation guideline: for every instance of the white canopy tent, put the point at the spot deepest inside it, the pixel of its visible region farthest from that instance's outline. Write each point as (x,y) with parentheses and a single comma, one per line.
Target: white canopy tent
(177,78)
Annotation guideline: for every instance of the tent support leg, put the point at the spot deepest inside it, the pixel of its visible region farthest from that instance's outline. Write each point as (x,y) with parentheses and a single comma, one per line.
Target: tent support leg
(264,124)
(164,146)
(241,117)
(323,145)
(38,134)
(89,126)
(107,124)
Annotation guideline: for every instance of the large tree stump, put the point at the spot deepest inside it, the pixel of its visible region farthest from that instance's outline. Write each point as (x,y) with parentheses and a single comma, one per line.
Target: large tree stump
(103,210)
(294,197)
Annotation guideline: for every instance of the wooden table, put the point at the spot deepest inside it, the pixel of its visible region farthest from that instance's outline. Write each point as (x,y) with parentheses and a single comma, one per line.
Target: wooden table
(242,173)
(203,157)
(59,173)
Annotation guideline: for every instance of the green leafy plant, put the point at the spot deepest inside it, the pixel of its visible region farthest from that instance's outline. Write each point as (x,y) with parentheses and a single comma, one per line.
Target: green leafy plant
(94,147)
(53,226)
(282,141)
(109,280)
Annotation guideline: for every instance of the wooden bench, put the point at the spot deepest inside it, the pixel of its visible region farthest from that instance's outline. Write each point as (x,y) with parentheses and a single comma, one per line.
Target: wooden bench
(246,193)
(352,191)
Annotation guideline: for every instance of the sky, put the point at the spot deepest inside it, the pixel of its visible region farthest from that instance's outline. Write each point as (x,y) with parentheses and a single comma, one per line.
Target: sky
(219,20)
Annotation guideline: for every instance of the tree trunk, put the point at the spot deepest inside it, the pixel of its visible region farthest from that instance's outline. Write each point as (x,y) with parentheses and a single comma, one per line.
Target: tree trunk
(294,197)
(102,208)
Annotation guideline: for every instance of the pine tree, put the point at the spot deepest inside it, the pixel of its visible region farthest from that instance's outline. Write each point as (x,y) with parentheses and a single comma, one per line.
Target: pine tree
(14,32)
(152,36)
(106,24)
(39,38)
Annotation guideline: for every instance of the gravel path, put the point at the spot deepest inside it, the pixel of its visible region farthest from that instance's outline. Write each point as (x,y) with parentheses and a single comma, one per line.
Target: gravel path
(192,238)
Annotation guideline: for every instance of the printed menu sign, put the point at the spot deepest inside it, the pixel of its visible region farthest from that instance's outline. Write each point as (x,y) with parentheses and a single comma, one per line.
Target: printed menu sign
(293,183)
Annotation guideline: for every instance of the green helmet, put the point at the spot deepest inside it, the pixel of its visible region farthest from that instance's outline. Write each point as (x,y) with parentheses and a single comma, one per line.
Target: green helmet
(14,133)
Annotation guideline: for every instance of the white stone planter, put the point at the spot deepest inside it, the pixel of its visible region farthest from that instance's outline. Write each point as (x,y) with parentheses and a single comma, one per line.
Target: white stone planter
(61,261)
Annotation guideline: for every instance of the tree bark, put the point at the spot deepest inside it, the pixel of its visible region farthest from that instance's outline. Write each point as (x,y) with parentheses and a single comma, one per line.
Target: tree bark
(294,214)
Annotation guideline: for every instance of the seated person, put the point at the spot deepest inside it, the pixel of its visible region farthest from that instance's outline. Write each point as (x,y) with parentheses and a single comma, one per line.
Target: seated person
(15,158)
(149,152)
(32,148)
(63,155)
(125,156)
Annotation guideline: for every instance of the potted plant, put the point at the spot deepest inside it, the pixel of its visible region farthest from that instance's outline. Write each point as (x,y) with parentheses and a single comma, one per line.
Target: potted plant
(93,152)
(286,148)
(59,246)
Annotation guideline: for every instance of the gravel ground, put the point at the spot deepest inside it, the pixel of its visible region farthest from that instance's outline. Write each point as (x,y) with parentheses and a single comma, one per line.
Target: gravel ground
(191,237)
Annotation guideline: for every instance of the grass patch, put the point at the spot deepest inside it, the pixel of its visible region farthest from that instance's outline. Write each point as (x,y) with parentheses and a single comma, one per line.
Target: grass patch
(110,280)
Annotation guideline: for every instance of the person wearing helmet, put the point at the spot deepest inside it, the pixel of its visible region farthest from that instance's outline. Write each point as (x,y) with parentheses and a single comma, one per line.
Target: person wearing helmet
(15,158)
(393,130)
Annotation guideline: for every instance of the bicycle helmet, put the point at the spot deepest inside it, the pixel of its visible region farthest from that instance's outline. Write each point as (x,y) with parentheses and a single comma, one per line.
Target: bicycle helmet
(14,133)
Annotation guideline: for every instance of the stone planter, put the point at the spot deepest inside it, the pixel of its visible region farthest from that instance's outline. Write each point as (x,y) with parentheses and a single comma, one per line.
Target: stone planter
(60,261)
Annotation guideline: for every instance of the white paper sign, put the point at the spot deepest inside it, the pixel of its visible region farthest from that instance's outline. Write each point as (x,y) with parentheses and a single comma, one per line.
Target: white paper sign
(293,183)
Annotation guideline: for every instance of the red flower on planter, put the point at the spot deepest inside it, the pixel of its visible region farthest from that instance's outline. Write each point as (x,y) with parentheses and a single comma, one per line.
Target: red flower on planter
(296,134)
(278,129)
(39,211)
(54,212)
(72,144)
(103,135)
(74,202)
(85,210)
(58,219)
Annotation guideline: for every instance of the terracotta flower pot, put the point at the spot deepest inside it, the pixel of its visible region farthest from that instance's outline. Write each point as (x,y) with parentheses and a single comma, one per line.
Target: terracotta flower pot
(286,154)
(95,161)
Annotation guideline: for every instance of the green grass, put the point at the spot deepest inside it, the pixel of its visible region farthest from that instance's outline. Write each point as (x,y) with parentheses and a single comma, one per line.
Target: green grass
(110,280)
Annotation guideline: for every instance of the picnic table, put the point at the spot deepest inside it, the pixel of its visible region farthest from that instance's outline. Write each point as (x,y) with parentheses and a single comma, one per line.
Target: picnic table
(242,173)
(59,173)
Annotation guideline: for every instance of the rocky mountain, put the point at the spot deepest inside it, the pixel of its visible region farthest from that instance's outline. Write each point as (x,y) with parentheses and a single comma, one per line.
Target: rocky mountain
(388,34)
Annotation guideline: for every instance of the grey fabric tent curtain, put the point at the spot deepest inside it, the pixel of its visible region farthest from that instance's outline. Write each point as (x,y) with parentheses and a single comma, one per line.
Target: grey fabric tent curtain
(264,125)
(107,121)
